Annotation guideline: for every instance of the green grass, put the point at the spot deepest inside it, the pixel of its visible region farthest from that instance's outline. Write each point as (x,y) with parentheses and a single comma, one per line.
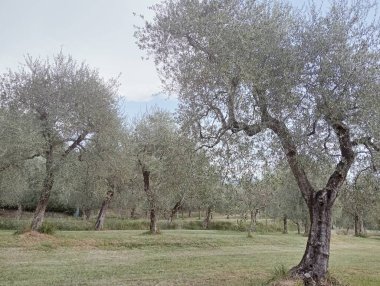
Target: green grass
(177,257)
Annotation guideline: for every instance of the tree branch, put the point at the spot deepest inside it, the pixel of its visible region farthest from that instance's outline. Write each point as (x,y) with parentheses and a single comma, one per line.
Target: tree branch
(6,166)
(76,143)
(347,158)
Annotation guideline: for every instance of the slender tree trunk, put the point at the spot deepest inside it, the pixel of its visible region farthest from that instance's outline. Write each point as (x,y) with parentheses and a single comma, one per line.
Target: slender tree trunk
(152,206)
(358,225)
(175,210)
(133,212)
(314,264)
(206,221)
(189,213)
(361,226)
(285,224)
(199,214)
(153,221)
(103,210)
(19,211)
(39,213)
(252,226)
(298,227)
(86,214)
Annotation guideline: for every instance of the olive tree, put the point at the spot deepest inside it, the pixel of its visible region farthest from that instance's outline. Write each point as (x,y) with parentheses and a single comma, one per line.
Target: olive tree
(255,196)
(359,198)
(260,70)
(69,102)
(152,138)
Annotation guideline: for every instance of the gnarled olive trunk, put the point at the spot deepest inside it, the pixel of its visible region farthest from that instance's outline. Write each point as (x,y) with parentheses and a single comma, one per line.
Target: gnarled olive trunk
(314,264)
(103,210)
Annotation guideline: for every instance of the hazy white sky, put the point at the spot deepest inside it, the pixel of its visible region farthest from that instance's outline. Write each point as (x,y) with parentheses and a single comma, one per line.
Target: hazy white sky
(97,31)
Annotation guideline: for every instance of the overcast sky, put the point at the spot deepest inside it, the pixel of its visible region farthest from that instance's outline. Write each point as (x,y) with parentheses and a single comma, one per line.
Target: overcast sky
(97,31)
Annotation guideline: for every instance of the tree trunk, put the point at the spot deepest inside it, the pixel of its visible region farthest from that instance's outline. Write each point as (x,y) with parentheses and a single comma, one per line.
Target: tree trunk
(314,264)
(152,206)
(252,226)
(86,214)
(206,221)
(153,222)
(19,211)
(199,214)
(175,210)
(358,225)
(361,226)
(133,212)
(39,213)
(285,224)
(103,210)
(189,213)
(298,227)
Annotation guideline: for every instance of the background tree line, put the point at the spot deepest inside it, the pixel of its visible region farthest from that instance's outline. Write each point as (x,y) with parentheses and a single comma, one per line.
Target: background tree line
(65,148)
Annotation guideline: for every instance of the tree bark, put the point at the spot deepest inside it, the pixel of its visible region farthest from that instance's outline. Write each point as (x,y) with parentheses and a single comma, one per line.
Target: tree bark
(206,221)
(103,210)
(307,227)
(314,264)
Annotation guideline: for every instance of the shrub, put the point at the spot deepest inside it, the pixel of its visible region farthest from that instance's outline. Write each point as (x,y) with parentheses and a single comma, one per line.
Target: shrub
(47,228)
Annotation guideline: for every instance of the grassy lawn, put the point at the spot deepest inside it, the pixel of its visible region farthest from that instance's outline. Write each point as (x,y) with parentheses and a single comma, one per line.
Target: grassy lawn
(176,257)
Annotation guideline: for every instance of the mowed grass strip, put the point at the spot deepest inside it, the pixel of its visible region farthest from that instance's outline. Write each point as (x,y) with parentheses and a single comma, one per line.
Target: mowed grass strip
(176,257)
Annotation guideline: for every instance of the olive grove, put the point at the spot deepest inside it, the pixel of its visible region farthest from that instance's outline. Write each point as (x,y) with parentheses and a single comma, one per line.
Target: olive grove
(307,81)
(68,102)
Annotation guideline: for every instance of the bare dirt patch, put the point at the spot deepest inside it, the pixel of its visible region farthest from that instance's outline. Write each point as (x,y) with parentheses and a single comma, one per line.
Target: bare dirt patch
(31,238)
